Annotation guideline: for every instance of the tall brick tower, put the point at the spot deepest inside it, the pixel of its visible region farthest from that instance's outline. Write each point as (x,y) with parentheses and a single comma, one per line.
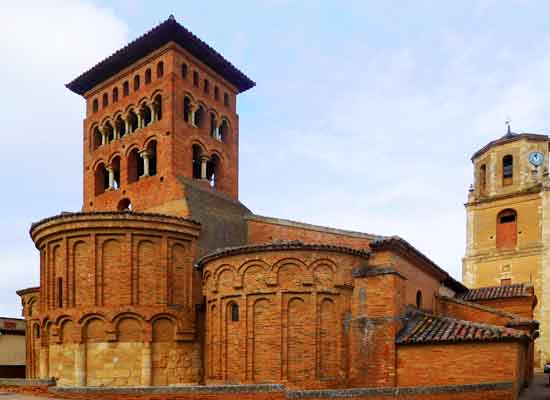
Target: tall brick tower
(160,112)
(508,223)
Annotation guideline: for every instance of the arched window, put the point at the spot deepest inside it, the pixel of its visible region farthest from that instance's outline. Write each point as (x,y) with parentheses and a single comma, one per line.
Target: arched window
(184,71)
(206,86)
(101,179)
(135,166)
(115,95)
(212,170)
(136,82)
(223,131)
(418,299)
(97,138)
(197,156)
(186,109)
(105,101)
(196,79)
(147,76)
(116,172)
(152,151)
(95,105)
(213,126)
(160,69)
(146,115)
(109,132)
(132,121)
(120,126)
(225,99)
(482,178)
(507,234)
(216,93)
(124,205)
(234,312)
(125,89)
(199,117)
(507,170)
(157,107)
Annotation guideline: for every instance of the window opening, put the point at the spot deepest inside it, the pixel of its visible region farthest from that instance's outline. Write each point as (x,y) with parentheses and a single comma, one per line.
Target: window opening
(115,95)
(136,82)
(147,76)
(160,69)
(234,312)
(125,89)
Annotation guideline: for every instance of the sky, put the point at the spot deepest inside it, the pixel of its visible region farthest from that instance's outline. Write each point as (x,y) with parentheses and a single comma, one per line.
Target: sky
(364,116)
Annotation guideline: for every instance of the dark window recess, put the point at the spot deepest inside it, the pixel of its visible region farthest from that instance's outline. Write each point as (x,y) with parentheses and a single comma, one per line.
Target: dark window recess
(60,292)
(234,312)
(508,167)
(196,79)
(184,71)
(506,219)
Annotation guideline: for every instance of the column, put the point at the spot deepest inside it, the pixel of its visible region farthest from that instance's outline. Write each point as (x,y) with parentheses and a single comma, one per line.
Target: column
(216,132)
(145,155)
(204,162)
(111,172)
(103,138)
(80,365)
(126,125)
(115,131)
(192,115)
(153,113)
(146,364)
(44,361)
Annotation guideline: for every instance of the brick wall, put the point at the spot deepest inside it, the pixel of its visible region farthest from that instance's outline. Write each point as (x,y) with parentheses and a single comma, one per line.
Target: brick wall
(266,230)
(460,363)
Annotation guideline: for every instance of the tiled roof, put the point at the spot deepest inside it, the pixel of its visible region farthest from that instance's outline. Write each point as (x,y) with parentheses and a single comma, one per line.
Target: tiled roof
(398,244)
(509,137)
(426,328)
(275,246)
(165,32)
(497,292)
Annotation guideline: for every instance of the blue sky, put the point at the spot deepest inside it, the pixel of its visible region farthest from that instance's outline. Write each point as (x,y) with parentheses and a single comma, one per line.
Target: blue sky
(364,116)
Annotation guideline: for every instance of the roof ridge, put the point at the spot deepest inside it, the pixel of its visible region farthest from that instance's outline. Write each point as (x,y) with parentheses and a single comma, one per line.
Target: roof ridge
(278,245)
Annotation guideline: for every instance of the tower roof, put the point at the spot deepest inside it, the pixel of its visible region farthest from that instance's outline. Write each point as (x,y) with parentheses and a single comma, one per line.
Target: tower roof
(168,31)
(507,138)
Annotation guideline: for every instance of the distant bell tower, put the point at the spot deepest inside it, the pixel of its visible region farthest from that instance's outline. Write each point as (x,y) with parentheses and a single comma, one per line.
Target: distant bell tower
(160,116)
(508,221)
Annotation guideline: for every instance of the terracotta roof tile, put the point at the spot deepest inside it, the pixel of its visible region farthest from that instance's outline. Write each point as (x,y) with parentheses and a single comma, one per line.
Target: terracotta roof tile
(427,328)
(497,292)
(282,245)
(167,31)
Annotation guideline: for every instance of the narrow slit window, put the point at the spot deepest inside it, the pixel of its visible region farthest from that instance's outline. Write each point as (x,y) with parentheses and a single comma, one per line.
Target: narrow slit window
(234,312)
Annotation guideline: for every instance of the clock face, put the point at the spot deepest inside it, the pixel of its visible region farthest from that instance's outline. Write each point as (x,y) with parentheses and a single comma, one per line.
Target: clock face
(536,158)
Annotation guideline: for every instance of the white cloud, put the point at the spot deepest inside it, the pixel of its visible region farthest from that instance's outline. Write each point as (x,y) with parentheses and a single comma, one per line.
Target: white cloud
(43,45)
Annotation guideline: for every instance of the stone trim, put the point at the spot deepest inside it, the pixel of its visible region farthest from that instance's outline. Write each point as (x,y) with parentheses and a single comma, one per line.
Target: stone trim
(278,246)
(397,391)
(267,388)
(318,228)
(26,382)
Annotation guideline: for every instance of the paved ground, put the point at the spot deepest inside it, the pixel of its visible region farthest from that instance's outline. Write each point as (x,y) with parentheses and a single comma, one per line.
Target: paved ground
(538,390)
(11,396)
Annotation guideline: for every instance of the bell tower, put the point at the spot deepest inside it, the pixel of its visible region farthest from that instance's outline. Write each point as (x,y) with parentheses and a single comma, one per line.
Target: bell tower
(508,221)
(160,116)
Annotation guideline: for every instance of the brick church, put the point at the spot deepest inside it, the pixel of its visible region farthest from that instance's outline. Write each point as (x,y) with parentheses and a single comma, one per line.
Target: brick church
(166,278)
